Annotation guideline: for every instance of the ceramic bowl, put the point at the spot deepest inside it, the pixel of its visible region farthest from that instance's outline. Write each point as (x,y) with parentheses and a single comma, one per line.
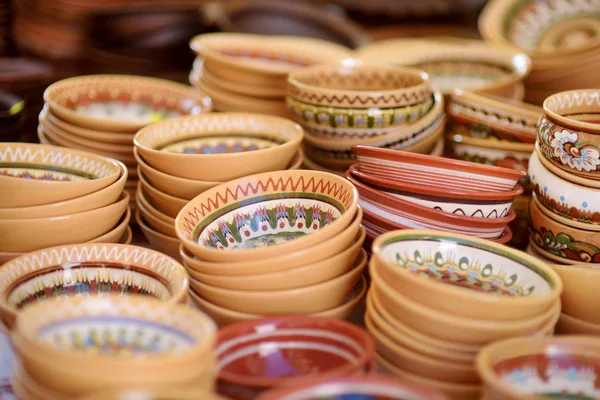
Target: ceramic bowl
(155,222)
(166,204)
(436,172)
(121,103)
(323,295)
(142,199)
(565,175)
(567,366)
(170,393)
(434,269)
(28,234)
(209,147)
(262,215)
(300,258)
(568,325)
(163,243)
(79,270)
(329,349)
(491,152)
(33,174)
(116,235)
(579,295)
(164,344)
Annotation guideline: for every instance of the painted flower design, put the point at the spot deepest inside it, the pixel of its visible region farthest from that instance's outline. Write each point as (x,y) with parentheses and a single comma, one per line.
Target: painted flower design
(564,147)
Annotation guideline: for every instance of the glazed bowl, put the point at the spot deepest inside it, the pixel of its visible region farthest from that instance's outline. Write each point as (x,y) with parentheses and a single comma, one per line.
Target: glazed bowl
(84,269)
(435,268)
(568,325)
(142,198)
(579,295)
(166,204)
(565,175)
(323,295)
(210,147)
(251,217)
(163,243)
(33,174)
(163,343)
(558,366)
(29,234)
(154,221)
(117,234)
(435,172)
(121,103)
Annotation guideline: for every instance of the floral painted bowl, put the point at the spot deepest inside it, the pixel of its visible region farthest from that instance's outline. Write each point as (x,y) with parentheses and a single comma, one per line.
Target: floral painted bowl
(265,215)
(122,103)
(558,367)
(219,147)
(580,297)
(113,341)
(84,269)
(435,268)
(34,174)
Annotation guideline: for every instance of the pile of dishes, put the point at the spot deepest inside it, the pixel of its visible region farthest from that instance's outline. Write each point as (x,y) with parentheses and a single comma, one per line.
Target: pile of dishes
(400,190)
(244,72)
(561,37)
(80,346)
(456,63)
(428,329)
(102,113)
(278,243)
(565,173)
(301,349)
(183,157)
(388,107)
(55,196)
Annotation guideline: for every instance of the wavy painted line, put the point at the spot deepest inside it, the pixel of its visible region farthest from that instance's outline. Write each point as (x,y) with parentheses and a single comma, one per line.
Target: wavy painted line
(563,101)
(401,99)
(478,213)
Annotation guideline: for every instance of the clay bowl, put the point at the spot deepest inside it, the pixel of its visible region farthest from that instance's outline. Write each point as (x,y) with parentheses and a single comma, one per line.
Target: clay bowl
(565,175)
(167,204)
(174,345)
(330,349)
(103,102)
(163,243)
(451,327)
(579,295)
(434,269)
(80,270)
(142,198)
(435,172)
(210,147)
(170,393)
(324,295)
(28,234)
(512,369)
(262,233)
(568,325)
(154,221)
(57,174)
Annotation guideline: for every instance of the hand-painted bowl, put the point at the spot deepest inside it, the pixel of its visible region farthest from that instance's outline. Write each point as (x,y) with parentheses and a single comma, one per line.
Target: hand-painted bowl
(121,103)
(298,348)
(219,147)
(568,325)
(580,297)
(266,215)
(565,175)
(559,367)
(466,276)
(163,243)
(92,343)
(84,269)
(34,174)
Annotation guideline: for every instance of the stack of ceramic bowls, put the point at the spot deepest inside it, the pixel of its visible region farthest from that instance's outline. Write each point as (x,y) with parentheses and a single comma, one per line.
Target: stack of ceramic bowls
(561,37)
(76,347)
(565,173)
(400,190)
(53,196)
(278,243)
(428,329)
(89,269)
(456,64)
(387,107)
(102,113)
(183,157)
(244,72)
(300,350)
(559,367)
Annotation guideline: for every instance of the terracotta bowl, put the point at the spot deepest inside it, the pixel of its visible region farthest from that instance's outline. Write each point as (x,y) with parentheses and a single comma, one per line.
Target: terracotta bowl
(21,235)
(568,366)
(165,244)
(209,147)
(163,202)
(435,268)
(565,175)
(174,341)
(365,387)
(34,174)
(579,296)
(252,217)
(300,258)
(323,295)
(435,172)
(79,270)
(103,102)
(170,393)
(330,349)
(568,325)
(155,222)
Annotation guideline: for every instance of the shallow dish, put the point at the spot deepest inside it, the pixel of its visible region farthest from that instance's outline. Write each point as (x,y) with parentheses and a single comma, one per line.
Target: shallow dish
(167,204)
(165,244)
(117,234)
(568,325)
(580,297)
(265,215)
(219,147)
(34,174)
(141,198)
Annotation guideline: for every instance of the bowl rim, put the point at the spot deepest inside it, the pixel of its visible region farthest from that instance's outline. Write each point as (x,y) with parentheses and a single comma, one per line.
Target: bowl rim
(570,123)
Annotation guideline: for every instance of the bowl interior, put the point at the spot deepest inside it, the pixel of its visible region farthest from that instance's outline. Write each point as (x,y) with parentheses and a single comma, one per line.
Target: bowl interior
(359,79)
(447,74)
